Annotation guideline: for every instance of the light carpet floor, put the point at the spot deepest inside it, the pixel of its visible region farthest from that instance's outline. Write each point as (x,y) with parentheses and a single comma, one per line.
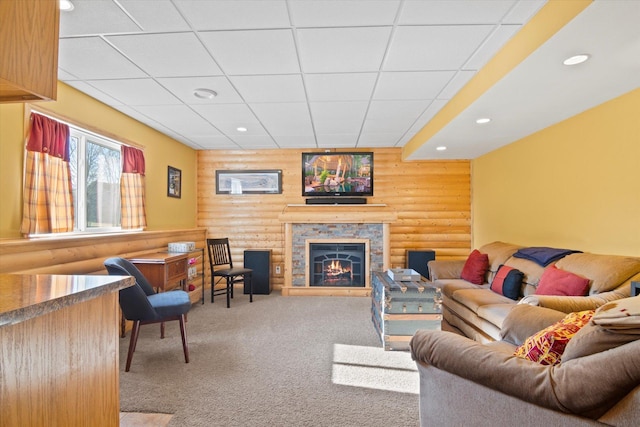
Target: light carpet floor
(280,361)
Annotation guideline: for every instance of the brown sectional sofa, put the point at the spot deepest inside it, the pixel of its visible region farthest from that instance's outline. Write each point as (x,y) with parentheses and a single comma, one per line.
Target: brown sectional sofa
(477,312)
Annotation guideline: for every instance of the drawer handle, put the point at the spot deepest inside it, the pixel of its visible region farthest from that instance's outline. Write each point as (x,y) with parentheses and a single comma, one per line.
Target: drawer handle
(404,308)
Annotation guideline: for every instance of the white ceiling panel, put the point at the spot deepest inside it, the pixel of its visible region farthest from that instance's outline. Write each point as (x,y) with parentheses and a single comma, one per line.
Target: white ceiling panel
(296,141)
(162,17)
(337,140)
(254,141)
(180,118)
(234,14)
(412,84)
(184,87)
(445,47)
(275,88)
(213,142)
(284,118)
(459,80)
(340,87)
(442,12)
(96,17)
(167,55)
(491,45)
(522,11)
(338,117)
(322,13)
(379,139)
(253,52)
(135,92)
(85,87)
(393,116)
(327,50)
(93,58)
(228,117)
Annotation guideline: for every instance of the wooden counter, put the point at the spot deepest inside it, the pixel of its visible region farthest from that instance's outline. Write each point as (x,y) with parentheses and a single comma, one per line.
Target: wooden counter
(59,350)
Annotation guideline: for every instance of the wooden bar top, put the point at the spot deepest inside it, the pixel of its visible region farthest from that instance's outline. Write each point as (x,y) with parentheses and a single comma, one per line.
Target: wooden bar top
(160,257)
(25,296)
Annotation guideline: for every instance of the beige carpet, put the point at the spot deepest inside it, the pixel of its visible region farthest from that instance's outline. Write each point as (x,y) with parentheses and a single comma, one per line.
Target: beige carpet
(281,361)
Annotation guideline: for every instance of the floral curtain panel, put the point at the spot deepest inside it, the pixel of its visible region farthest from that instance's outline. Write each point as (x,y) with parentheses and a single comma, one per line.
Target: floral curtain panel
(48,196)
(132,191)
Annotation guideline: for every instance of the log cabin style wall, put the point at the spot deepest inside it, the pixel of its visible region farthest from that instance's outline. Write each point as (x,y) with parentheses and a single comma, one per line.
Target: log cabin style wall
(432,200)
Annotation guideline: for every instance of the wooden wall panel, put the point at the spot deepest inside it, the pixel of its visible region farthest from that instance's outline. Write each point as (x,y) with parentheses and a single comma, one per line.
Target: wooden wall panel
(432,200)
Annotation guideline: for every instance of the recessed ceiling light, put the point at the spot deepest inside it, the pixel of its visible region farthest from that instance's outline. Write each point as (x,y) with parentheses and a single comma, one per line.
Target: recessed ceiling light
(441,148)
(483,120)
(241,129)
(205,93)
(576,59)
(66,5)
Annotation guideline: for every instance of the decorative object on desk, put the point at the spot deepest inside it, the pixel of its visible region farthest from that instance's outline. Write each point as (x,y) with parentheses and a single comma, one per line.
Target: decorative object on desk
(174,182)
(249,181)
(181,246)
(403,275)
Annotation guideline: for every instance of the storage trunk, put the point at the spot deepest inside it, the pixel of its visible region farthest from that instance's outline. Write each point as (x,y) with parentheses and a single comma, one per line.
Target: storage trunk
(399,309)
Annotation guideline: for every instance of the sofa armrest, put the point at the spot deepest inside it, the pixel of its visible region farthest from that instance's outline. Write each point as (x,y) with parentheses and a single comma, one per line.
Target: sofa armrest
(445,269)
(569,304)
(562,387)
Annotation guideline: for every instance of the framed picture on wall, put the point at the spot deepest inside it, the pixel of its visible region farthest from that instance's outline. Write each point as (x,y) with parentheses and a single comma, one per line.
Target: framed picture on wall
(249,181)
(174,182)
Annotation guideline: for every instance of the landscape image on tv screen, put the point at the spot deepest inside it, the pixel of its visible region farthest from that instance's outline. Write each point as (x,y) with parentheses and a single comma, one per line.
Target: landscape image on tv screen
(337,174)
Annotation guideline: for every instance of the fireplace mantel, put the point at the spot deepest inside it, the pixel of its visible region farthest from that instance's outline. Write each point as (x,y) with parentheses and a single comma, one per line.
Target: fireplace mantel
(332,214)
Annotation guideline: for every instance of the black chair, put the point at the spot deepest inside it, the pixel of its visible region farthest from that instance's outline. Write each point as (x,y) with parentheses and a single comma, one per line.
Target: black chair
(142,305)
(222,268)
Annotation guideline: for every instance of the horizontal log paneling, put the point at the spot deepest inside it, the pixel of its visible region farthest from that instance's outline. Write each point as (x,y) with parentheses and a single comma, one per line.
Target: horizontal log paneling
(432,200)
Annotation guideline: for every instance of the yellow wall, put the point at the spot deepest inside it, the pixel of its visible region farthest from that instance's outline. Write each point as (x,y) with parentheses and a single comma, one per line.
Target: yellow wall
(575,184)
(160,151)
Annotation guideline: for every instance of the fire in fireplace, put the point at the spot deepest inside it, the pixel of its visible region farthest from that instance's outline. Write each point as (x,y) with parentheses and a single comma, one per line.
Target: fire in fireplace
(337,264)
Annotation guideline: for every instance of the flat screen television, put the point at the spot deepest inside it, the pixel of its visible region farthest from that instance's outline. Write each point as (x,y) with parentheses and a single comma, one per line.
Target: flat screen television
(337,174)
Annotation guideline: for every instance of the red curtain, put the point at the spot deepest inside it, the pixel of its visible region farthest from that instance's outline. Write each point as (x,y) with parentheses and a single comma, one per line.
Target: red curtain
(132,191)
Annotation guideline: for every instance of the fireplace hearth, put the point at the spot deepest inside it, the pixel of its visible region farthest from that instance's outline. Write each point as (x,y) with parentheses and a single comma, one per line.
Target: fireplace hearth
(337,264)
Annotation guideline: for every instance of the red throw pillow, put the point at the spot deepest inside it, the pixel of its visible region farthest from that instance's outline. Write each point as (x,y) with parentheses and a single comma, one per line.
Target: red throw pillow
(475,268)
(559,282)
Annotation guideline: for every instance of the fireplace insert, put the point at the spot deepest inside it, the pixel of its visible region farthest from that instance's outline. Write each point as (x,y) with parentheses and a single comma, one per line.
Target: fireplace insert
(337,264)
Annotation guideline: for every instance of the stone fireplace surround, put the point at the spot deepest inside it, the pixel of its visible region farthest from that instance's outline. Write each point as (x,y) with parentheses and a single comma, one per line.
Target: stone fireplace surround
(333,222)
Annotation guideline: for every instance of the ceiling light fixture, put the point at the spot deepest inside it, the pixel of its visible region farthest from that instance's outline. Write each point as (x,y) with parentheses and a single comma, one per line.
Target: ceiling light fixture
(241,129)
(66,5)
(483,120)
(441,148)
(576,59)
(205,93)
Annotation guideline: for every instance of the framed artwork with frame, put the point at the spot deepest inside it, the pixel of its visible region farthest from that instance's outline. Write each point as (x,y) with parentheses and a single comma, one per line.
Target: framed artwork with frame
(174,182)
(268,181)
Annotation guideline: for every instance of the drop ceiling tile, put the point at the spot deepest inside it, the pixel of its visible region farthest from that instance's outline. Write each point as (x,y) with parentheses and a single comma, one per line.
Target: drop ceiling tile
(331,50)
(253,52)
(322,13)
(338,117)
(523,11)
(234,14)
(254,141)
(491,46)
(95,17)
(434,47)
(214,142)
(378,139)
(459,80)
(340,87)
(179,118)
(284,118)
(276,88)
(228,117)
(183,88)
(167,55)
(424,118)
(393,116)
(93,58)
(86,88)
(411,84)
(65,76)
(135,92)
(295,141)
(162,17)
(337,140)
(441,12)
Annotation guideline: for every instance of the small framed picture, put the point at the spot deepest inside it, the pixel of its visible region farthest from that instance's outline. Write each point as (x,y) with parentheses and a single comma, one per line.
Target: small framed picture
(249,181)
(174,182)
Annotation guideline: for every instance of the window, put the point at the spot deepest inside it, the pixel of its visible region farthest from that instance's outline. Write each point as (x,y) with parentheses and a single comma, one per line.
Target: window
(95,175)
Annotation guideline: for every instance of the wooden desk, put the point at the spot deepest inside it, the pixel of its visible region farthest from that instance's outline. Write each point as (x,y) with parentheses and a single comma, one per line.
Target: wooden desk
(164,269)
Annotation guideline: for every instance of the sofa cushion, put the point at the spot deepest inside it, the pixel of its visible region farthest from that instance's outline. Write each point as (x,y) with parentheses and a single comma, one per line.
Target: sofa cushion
(499,253)
(475,298)
(614,324)
(475,267)
(507,282)
(530,269)
(495,313)
(546,347)
(606,272)
(524,320)
(559,282)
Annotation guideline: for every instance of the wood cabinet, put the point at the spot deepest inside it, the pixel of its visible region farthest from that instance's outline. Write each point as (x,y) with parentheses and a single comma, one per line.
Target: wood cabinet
(28,50)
